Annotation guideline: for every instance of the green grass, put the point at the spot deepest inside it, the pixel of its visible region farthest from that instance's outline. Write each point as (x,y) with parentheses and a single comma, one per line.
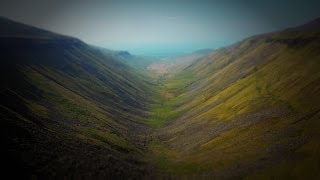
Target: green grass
(166,160)
(161,114)
(168,96)
(38,110)
(110,138)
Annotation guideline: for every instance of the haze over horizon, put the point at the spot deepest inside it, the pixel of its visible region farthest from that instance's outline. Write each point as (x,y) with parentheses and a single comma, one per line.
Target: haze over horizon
(161,27)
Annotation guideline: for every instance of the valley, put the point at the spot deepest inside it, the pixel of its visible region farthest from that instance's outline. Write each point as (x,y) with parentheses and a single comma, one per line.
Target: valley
(250,110)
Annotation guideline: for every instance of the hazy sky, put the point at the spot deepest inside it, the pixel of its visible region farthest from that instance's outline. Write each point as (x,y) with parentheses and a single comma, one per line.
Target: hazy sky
(146,25)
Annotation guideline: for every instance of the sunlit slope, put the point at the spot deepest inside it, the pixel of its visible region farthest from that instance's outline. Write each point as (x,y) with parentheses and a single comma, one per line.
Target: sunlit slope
(251,109)
(67,109)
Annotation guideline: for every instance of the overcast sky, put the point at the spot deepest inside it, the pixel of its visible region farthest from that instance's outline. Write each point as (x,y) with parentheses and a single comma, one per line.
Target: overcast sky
(137,25)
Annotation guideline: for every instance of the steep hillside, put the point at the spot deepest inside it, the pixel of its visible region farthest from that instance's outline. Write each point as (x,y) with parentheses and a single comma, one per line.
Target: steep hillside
(249,110)
(67,109)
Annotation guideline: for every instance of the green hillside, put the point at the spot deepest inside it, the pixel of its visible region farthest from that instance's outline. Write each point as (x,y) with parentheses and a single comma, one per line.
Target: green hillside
(249,110)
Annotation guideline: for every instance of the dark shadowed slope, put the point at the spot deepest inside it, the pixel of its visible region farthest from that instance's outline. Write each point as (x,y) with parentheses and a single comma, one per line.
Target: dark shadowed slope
(248,110)
(66,108)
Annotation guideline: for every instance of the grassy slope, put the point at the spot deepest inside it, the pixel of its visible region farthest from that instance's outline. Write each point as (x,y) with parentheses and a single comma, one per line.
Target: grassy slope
(244,109)
(67,109)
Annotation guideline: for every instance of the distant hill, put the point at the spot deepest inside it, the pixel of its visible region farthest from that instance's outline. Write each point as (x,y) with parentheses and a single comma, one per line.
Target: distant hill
(138,63)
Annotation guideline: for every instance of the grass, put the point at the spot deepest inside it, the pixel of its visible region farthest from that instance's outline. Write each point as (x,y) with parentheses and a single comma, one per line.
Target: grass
(38,110)
(166,160)
(167,97)
(112,139)
(161,114)
(306,166)
(82,112)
